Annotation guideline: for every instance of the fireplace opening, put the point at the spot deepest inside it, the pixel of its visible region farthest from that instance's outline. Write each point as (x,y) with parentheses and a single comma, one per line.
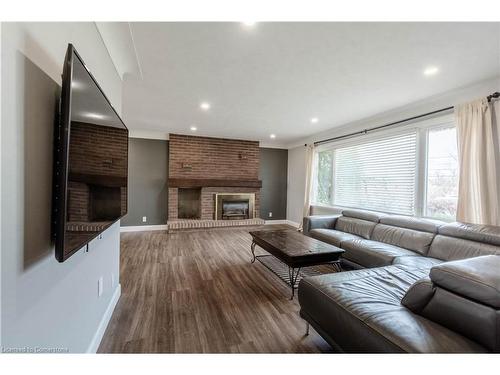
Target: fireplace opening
(189,203)
(232,210)
(105,203)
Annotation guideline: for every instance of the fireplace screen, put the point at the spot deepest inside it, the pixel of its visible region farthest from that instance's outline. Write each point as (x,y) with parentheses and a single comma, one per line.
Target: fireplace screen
(234,206)
(235,210)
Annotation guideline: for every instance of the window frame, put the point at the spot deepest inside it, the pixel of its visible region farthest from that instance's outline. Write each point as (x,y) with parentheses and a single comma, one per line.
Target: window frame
(422,128)
(426,168)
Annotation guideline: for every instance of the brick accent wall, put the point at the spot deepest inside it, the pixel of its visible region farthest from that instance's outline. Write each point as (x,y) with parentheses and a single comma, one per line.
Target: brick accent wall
(212,158)
(97,151)
(192,157)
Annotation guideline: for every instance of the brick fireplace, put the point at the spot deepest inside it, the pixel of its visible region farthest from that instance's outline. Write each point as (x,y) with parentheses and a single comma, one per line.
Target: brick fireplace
(98,171)
(200,169)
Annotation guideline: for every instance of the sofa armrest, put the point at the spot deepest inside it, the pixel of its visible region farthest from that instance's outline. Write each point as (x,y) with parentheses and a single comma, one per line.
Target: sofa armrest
(475,278)
(419,295)
(463,296)
(318,222)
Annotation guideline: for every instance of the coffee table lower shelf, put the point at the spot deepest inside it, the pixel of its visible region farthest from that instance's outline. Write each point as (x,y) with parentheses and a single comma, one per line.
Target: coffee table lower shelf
(291,275)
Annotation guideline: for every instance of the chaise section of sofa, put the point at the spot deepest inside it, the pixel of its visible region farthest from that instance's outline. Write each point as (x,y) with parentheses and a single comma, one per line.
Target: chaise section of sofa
(362,311)
(419,286)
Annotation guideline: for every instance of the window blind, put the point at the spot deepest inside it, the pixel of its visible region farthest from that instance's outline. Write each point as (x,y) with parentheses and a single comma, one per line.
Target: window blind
(377,174)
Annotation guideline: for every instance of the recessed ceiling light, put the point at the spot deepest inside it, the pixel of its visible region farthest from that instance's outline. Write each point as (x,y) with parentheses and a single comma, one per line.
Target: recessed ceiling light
(249,23)
(205,106)
(193,128)
(431,70)
(314,120)
(272,136)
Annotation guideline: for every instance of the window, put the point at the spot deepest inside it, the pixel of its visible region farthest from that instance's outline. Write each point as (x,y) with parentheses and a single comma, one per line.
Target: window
(378,175)
(442,174)
(413,173)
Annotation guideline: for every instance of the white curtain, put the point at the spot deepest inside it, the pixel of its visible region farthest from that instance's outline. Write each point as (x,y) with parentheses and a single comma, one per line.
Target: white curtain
(477,135)
(309,180)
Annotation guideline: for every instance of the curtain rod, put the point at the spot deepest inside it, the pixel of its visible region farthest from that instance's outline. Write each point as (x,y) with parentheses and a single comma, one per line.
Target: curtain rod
(495,95)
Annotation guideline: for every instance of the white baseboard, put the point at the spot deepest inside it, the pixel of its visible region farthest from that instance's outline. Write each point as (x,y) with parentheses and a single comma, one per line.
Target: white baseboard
(143,228)
(293,223)
(287,222)
(96,340)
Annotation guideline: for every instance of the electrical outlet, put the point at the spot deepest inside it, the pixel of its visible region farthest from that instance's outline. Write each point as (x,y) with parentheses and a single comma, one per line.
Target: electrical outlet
(270,214)
(100,286)
(144,219)
(112,281)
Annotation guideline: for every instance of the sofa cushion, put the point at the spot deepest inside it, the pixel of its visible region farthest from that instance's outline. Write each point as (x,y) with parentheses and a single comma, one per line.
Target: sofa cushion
(423,225)
(450,248)
(417,262)
(371,254)
(361,311)
(363,215)
(476,278)
(332,236)
(481,233)
(407,238)
(362,228)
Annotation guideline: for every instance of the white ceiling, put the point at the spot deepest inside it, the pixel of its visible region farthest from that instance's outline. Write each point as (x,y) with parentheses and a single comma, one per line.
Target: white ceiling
(274,77)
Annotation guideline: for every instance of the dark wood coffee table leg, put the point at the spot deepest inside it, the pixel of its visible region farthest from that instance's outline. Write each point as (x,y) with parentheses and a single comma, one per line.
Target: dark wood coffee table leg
(293,275)
(336,266)
(252,247)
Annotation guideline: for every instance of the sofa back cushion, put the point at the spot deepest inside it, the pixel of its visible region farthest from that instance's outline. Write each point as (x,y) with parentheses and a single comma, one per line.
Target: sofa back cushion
(363,215)
(489,234)
(422,225)
(452,248)
(359,227)
(406,238)
(461,240)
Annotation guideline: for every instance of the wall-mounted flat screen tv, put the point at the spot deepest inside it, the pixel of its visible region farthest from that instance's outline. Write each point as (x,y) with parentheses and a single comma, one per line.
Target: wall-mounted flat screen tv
(91,161)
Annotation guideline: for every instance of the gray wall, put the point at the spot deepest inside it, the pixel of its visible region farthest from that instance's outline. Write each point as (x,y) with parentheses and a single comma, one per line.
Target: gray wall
(45,303)
(148,176)
(147,182)
(273,173)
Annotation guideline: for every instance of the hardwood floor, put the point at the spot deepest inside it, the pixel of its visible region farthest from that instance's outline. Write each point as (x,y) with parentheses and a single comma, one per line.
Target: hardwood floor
(197,292)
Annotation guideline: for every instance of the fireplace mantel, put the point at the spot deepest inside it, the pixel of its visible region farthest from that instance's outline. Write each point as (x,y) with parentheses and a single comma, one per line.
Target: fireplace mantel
(202,182)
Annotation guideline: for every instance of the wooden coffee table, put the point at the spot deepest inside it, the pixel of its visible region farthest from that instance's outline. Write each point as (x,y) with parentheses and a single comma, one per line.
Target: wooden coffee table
(295,250)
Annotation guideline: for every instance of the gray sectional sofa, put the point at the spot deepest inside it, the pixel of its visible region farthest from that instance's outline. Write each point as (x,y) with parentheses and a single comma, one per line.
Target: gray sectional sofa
(416,285)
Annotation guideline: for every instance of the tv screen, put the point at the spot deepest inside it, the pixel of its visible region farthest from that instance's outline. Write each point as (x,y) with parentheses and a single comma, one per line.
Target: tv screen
(91,161)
